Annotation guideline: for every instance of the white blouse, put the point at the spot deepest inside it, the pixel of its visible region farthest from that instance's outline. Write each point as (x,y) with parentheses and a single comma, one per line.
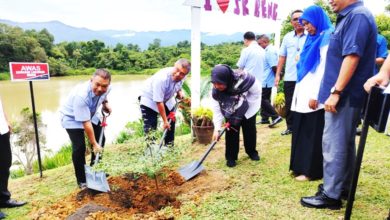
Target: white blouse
(253,96)
(309,87)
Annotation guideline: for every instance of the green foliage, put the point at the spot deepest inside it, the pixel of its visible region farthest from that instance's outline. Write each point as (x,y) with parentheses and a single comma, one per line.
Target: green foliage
(286,24)
(383,24)
(61,158)
(81,58)
(183,129)
(202,116)
(132,130)
(5,76)
(17,173)
(24,146)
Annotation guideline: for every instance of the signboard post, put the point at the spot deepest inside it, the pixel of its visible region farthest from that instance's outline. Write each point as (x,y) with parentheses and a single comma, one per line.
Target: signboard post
(31,72)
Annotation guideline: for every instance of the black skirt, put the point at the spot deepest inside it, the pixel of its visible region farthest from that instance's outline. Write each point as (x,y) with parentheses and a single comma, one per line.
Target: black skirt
(306,144)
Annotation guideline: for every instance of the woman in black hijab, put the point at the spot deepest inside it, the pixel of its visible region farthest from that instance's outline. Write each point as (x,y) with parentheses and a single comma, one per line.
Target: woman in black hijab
(237,99)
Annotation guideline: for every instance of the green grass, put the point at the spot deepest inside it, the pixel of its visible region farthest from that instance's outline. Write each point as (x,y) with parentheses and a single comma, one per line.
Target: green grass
(266,190)
(61,158)
(251,190)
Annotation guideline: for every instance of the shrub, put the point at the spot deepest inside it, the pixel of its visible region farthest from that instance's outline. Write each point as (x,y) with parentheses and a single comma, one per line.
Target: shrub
(202,116)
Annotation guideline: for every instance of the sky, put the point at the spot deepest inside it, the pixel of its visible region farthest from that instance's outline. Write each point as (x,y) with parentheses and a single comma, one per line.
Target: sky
(150,15)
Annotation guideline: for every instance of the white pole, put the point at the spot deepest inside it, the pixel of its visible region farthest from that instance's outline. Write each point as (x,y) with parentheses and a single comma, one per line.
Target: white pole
(195,51)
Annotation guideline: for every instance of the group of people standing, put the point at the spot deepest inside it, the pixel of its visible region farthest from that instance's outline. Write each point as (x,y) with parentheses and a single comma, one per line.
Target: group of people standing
(325,69)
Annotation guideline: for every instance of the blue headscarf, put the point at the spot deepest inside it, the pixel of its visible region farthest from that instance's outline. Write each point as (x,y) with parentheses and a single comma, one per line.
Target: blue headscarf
(310,56)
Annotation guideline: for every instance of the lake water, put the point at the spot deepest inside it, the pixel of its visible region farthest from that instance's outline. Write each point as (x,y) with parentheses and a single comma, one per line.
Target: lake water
(49,95)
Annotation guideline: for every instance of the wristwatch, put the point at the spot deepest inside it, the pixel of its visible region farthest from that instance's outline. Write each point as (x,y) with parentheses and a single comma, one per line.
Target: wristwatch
(333,90)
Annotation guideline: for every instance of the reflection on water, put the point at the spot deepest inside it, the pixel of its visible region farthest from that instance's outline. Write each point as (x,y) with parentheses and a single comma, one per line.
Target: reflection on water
(49,95)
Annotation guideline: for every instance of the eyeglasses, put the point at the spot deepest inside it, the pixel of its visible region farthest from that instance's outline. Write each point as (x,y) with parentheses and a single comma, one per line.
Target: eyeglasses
(295,19)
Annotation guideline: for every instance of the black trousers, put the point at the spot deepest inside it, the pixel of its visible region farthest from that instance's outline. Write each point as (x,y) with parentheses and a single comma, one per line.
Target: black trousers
(289,87)
(77,137)
(149,116)
(5,165)
(233,139)
(267,110)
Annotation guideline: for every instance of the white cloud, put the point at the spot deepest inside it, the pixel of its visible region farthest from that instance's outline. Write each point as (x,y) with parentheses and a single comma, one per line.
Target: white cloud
(144,15)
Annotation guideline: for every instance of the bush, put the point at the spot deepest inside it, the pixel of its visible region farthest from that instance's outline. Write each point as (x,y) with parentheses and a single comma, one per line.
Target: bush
(5,76)
(61,158)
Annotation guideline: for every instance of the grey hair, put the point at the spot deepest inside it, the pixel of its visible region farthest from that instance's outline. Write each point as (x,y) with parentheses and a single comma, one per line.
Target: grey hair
(264,37)
(184,63)
(103,73)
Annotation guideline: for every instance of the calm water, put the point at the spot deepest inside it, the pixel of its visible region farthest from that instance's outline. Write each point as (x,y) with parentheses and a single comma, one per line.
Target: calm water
(49,95)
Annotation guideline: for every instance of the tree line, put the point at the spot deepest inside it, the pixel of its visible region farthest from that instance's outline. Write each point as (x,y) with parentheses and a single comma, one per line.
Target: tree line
(74,58)
(67,58)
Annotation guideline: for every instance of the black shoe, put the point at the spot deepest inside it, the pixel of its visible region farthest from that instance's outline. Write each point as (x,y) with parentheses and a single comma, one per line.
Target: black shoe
(320,202)
(358,131)
(12,204)
(2,215)
(286,132)
(231,163)
(263,121)
(344,193)
(254,157)
(275,121)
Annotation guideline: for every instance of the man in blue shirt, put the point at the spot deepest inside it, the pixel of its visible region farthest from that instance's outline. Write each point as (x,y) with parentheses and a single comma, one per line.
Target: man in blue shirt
(350,62)
(157,97)
(80,114)
(290,50)
(271,61)
(381,51)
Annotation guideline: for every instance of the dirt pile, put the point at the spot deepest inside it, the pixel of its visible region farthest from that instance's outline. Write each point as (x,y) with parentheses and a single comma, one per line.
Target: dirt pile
(129,194)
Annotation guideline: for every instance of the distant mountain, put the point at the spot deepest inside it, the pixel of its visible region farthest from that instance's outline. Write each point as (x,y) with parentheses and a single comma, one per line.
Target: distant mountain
(63,32)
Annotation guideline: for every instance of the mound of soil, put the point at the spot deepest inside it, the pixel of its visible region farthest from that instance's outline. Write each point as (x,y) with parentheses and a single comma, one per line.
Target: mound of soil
(129,194)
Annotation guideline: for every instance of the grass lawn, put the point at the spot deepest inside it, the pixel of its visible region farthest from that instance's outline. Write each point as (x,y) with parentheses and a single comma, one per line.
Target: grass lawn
(251,190)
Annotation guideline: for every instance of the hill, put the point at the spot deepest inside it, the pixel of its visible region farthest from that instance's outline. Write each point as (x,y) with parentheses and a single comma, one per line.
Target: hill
(63,32)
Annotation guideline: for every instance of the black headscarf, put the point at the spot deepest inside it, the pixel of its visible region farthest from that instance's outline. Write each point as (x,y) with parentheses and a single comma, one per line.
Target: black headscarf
(236,82)
(232,101)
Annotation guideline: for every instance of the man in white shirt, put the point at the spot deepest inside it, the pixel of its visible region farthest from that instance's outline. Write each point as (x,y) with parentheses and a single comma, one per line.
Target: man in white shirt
(157,97)
(5,163)
(252,57)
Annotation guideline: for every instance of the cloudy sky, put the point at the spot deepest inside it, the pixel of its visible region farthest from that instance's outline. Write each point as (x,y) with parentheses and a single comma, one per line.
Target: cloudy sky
(147,15)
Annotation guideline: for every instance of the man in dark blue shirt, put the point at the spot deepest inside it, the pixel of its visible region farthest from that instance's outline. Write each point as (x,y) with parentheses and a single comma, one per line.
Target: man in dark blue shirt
(350,62)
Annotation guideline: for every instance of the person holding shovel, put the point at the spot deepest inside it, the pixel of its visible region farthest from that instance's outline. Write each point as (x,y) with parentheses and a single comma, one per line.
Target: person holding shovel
(157,97)
(236,97)
(80,115)
(5,163)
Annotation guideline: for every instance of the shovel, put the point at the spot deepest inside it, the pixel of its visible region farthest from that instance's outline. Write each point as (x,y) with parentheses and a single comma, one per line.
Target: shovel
(195,167)
(171,117)
(97,180)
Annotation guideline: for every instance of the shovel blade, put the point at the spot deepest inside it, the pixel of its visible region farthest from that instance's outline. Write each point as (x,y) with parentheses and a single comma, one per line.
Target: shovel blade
(191,170)
(96,180)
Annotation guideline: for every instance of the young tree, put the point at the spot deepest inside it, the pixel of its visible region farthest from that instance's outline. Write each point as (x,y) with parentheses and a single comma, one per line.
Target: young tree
(23,139)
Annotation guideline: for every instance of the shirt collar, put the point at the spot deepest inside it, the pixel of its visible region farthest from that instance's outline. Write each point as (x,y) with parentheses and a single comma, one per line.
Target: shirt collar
(349,8)
(304,33)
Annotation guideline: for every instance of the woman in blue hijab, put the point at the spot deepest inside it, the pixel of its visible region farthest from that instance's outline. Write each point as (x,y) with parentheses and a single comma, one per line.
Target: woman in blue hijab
(306,144)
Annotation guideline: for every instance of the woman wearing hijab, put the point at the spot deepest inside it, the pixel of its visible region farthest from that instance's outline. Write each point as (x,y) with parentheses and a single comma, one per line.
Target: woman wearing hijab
(306,144)
(236,97)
